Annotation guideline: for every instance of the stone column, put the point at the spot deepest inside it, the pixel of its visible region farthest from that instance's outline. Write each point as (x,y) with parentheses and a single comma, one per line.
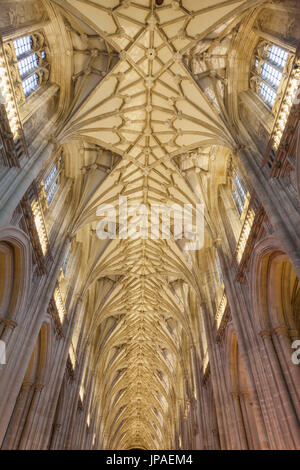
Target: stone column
(243,330)
(239,420)
(282,214)
(22,178)
(283,342)
(288,420)
(24,444)
(9,326)
(15,427)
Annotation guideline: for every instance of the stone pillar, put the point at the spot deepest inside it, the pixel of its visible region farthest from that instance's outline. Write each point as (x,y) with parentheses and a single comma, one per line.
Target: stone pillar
(288,421)
(282,340)
(30,417)
(240,421)
(11,440)
(8,328)
(283,215)
(11,195)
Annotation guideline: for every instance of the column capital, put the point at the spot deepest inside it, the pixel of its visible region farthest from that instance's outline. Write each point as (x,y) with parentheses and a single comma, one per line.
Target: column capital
(10,324)
(265,334)
(293,334)
(69,236)
(240,147)
(53,140)
(217,242)
(26,384)
(281,330)
(38,387)
(243,392)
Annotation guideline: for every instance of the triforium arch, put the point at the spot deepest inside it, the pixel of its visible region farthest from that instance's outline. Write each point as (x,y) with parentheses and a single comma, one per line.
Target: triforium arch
(23,417)
(276,307)
(15,268)
(148,342)
(242,398)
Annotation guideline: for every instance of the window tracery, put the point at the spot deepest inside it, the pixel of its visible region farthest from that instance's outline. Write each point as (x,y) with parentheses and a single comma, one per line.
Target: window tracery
(238,191)
(28,63)
(51,181)
(270,66)
(219,268)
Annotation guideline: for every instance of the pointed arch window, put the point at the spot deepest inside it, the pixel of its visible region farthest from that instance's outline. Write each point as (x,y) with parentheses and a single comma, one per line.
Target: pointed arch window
(22,45)
(238,189)
(269,67)
(219,268)
(53,179)
(238,193)
(28,64)
(28,59)
(66,261)
(30,84)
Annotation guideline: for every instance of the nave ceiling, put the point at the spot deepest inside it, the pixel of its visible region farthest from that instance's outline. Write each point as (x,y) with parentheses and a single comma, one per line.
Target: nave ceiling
(152,107)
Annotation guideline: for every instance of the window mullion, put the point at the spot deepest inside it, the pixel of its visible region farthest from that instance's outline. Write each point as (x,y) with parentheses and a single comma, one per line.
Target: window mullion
(274,66)
(27,54)
(30,73)
(52,190)
(270,63)
(32,63)
(266,82)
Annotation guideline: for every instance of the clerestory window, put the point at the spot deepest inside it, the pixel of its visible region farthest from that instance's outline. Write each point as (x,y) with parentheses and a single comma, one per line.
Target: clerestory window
(32,62)
(238,190)
(269,67)
(52,180)
(219,269)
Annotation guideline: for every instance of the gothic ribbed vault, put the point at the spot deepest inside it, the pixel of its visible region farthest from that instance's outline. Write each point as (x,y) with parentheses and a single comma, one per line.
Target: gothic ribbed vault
(143,113)
(147,110)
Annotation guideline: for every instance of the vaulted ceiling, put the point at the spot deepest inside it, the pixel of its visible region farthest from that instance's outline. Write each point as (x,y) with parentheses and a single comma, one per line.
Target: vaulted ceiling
(147,109)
